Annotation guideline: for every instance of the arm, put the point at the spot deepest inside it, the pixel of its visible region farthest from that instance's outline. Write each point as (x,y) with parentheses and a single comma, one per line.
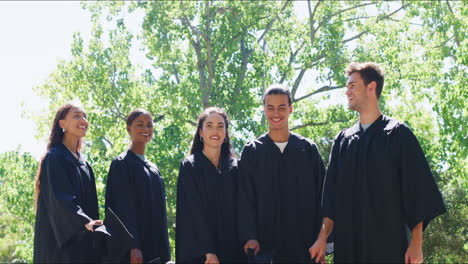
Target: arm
(247,202)
(194,236)
(414,253)
(120,197)
(317,251)
(67,218)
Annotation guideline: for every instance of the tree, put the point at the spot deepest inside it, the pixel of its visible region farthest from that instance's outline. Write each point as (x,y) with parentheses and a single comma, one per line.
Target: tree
(17,214)
(224,53)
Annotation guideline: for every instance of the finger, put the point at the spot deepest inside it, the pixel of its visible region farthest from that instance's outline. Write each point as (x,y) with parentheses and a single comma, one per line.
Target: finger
(323,260)
(257,249)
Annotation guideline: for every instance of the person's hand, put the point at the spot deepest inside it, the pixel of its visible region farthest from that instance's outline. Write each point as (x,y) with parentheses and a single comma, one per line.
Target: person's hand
(136,257)
(414,253)
(253,244)
(317,251)
(92,223)
(211,258)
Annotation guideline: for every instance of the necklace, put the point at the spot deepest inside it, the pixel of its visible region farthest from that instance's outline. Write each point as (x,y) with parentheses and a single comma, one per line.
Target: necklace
(213,160)
(73,153)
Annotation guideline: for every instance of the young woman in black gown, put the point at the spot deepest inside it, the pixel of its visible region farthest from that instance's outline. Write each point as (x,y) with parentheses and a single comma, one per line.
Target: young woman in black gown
(66,200)
(135,193)
(206,222)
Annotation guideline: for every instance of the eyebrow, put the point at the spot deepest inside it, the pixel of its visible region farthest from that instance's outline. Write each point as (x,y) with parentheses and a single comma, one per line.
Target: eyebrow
(278,105)
(209,122)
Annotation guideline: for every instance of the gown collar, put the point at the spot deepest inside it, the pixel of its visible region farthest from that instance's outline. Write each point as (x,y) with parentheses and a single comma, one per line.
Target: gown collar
(356,128)
(69,155)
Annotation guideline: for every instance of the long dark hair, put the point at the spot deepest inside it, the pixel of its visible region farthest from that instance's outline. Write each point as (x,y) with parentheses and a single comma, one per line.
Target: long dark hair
(197,145)
(55,138)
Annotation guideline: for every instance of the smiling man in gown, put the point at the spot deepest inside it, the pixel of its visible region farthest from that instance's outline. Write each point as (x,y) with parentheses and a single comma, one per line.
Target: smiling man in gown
(281,175)
(379,193)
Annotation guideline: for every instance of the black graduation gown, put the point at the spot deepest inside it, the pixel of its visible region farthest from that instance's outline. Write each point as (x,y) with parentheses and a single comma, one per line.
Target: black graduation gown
(135,193)
(67,201)
(206,219)
(279,196)
(378,187)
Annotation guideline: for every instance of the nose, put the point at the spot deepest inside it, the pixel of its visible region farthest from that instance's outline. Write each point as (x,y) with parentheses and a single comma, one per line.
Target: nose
(348,91)
(85,121)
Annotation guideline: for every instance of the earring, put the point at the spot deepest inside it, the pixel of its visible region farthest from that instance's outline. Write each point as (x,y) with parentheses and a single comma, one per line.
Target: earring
(64,130)
(201,139)
(225,139)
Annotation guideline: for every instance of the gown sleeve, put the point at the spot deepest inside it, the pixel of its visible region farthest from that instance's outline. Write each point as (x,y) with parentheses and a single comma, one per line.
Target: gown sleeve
(67,218)
(329,194)
(194,238)
(320,176)
(247,202)
(422,200)
(120,197)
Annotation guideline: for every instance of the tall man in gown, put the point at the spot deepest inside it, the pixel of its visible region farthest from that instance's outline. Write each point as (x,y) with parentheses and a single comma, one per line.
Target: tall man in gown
(379,193)
(280,186)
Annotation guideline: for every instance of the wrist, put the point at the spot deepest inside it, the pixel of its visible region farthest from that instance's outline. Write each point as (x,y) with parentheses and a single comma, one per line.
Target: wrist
(416,241)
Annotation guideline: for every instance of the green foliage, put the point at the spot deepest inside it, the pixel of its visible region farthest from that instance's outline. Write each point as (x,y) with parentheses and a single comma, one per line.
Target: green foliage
(17,214)
(224,53)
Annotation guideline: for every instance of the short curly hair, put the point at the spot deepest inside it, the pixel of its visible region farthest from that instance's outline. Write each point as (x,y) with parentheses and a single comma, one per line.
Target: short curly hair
(370,72)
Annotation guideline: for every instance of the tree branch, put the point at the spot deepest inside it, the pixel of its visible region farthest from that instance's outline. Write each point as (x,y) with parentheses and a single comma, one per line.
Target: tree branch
(311,21)
(297,82)
(270,24)
(322,89)
(246,53)
(327,19)
(317,124)
(206,97)
(176,73)
(191,122)
(457,39)
(292,57)
(380,18)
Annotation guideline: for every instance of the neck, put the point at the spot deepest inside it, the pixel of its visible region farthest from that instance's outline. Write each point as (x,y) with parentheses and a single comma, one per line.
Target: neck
(212,154)
(138,148)
(370,114)
(71,143)
(280,135)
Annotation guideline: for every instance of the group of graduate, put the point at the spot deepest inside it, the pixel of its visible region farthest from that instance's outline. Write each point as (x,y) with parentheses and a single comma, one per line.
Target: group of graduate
(277,202)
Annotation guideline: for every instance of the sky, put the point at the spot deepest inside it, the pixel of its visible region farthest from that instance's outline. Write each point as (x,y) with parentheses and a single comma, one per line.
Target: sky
(35,35)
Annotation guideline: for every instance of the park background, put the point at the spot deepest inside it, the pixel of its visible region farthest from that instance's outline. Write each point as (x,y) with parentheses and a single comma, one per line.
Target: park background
(176,58)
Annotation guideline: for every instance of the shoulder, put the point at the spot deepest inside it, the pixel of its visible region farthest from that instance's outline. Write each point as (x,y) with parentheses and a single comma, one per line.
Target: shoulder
(123,160)
(233,162)
(397,127)
(307,142)
(346,132)
(189,161)
(56,154)
(258,143)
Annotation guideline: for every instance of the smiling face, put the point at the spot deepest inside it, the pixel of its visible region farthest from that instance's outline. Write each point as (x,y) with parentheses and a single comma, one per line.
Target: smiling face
(75,122)
(213,131)
(358,93)
(141,130)
(277,111)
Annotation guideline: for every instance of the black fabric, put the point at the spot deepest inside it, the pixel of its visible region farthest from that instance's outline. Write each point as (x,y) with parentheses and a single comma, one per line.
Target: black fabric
(378,187)
(206,219)
(279,196)
(135,193)
(67,201)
